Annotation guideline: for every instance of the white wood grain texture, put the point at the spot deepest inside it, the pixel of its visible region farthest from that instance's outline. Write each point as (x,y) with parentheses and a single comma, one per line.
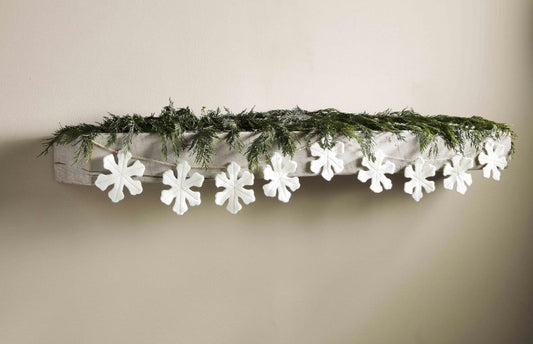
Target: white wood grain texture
(401,153)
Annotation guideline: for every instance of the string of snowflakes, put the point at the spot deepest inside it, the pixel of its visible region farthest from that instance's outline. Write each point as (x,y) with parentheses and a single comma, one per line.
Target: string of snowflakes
(281,184)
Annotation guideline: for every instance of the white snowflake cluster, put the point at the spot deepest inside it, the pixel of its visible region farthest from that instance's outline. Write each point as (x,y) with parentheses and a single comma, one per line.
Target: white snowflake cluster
(232,181)
(327,160)
(180,188)
(121,175)
(234,188)
(377,169)
(494,160)
(418,173)
(281,180)
(278,174)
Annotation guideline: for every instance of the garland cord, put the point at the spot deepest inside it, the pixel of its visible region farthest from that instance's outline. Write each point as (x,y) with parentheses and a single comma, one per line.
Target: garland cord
(133,156)
(114,151)
(136,157)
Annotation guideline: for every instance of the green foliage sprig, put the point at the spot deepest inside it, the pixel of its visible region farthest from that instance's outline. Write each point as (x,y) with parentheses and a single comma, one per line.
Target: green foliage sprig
(280,129)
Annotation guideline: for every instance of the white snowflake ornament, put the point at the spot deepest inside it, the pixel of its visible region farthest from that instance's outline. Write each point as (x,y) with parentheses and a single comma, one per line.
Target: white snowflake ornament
(121,175)
(180,188)
(494,160)
(234,188)
(278,174)
(376,172)
(457,174)
(418,176)
(327,160)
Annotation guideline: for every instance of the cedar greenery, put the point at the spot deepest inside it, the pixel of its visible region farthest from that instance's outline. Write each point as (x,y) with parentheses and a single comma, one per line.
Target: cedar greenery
(282,129)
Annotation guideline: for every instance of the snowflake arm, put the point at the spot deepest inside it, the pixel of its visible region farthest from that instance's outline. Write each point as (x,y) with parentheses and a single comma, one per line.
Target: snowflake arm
(278,174)
(457,174)
(121,175)
(376,172)
(418,176)
(234,188)
(494,159)
(327,160)
(180,188)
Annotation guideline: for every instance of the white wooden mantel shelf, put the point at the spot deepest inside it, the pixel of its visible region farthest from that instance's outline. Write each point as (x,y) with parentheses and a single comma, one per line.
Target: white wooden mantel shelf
(401,153)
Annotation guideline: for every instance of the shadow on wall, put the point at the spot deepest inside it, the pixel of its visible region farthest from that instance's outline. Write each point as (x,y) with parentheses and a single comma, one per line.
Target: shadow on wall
(30,190)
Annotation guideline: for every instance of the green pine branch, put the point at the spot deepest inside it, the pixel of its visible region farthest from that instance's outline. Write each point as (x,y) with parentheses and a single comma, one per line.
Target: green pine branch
(277,129)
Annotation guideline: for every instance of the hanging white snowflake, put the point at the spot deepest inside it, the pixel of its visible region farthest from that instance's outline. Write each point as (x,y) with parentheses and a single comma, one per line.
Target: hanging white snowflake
(457,173)
(278,174)
(234,188)
(181,188)
(418,176)
(494,160)
(121,175)
(327,160)
(376,172)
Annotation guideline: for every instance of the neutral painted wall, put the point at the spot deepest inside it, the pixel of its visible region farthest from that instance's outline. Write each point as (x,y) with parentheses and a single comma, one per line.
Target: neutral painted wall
(338,264)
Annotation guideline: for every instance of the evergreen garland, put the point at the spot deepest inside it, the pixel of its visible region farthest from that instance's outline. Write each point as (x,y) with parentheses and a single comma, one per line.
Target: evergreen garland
(277,129)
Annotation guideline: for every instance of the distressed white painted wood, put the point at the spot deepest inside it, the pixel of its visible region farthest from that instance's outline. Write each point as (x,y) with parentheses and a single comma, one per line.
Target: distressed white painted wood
(401,153)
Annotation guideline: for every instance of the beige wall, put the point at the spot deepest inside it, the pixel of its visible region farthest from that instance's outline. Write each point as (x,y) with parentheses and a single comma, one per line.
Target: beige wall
(338,264)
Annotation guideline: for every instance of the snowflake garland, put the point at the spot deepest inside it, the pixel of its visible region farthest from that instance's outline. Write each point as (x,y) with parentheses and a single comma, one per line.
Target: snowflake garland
(234,188)
(376,172)
(494,160)
(418,176)
(327,160)
(457,174)
(180,188)
(121,175)
(278,174)
(281,184)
